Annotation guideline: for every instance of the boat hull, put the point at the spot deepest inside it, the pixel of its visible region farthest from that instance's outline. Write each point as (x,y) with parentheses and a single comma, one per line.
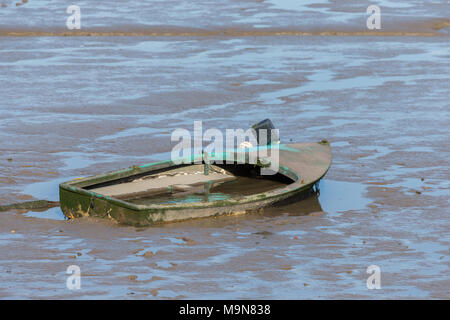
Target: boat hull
(305,163)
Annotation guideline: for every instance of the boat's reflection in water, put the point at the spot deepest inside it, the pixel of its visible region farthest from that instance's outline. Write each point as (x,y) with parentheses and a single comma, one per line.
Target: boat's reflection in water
(334,197)
(299,205)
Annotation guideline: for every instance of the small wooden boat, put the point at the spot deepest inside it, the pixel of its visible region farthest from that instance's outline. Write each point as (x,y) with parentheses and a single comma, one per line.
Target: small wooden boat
(166,191)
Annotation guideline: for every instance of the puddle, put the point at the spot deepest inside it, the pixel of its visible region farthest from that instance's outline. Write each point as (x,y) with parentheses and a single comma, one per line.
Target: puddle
(75,160)
(48,190)
(379,151)
(323,81)
(52,214)
(130,132)
(295,5)
(339,196)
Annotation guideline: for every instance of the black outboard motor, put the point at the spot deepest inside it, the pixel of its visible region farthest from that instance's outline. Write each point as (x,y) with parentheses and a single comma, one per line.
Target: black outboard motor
(272,136)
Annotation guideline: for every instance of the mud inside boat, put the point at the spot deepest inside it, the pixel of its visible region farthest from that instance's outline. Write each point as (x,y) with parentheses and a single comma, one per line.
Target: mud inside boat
(191,183)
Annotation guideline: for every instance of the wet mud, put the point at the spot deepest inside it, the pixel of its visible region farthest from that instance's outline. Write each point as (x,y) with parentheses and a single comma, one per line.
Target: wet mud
(73,107)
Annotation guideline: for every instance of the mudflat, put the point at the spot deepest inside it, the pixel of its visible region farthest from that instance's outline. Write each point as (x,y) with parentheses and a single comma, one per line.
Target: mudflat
(109,97)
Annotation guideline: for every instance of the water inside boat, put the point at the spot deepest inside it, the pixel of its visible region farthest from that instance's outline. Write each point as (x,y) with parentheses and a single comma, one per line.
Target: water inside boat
(186,184)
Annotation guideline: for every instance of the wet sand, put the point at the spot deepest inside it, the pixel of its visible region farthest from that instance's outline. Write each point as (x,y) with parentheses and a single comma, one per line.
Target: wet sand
(79,106)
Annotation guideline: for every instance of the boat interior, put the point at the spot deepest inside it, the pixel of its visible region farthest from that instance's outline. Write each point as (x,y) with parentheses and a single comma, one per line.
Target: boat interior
(191,183)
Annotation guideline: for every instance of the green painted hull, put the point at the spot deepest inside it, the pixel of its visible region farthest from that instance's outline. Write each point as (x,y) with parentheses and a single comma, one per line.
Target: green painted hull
(304,163)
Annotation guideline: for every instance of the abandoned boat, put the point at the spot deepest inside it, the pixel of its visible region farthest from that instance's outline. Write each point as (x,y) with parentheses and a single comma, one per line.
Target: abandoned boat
(171,191)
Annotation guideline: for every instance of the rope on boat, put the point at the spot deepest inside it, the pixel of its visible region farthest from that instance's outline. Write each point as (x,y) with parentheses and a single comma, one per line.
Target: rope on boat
(38,204)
